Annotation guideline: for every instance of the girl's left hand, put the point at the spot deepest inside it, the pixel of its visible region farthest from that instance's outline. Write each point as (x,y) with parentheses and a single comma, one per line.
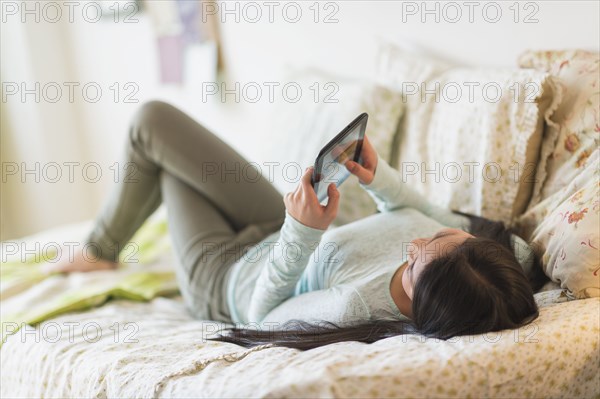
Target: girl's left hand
(366,171)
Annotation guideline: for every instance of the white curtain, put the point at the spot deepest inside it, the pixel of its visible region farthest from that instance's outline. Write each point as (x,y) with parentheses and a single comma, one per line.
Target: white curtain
(77,137)
(37,136)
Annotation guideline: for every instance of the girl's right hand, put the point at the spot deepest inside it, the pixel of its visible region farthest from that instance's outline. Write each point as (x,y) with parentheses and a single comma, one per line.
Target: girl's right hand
(304,206)
(366,171)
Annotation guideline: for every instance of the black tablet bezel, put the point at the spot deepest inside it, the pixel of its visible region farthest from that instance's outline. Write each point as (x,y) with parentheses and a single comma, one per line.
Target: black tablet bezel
(361,119)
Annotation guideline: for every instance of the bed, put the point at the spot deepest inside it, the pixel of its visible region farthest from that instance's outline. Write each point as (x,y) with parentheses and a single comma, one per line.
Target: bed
(166,355)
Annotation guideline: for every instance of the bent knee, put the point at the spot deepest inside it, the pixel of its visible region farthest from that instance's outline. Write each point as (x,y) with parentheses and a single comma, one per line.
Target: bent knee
(152,113)
(151,119)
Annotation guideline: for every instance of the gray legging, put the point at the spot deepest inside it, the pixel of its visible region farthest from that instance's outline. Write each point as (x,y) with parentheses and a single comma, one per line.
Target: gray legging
(213,211)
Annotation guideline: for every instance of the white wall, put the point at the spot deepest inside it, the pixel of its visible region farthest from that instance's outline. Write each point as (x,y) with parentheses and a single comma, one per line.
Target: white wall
(264,51)
(260,49)
(108,52)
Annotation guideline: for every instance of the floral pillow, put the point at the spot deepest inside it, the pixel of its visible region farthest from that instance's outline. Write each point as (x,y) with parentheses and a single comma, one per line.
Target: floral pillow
(567,238)
(562,218)
(574,131)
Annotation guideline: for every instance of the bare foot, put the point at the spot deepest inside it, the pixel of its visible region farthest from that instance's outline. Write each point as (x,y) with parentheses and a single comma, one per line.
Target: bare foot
(77,262)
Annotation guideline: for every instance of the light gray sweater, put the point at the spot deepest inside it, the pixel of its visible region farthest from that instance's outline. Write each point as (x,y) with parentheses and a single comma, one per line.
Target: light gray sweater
(341,275)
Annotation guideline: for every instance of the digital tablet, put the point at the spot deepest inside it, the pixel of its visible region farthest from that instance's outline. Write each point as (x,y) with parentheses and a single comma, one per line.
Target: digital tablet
(330,165)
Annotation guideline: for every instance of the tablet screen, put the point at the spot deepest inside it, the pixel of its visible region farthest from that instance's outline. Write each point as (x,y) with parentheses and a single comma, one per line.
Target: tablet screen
(330,166)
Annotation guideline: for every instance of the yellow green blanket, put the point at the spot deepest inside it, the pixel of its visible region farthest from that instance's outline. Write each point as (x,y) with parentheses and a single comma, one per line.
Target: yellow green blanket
(28,296)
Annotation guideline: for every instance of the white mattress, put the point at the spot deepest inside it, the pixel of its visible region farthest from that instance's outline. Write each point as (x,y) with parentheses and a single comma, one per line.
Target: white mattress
(556,356)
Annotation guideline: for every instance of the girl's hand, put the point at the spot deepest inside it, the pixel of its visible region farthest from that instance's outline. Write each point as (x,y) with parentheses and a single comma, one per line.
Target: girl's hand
(366,171)
(304,206)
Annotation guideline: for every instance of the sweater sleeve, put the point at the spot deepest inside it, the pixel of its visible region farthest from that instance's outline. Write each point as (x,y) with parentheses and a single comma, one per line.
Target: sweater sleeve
(285,264)
(391,193)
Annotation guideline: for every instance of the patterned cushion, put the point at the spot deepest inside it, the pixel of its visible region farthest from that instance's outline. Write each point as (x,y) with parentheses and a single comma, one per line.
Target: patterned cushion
(470,137)
(562,218)
(301,129)
(574,131)
(565,232)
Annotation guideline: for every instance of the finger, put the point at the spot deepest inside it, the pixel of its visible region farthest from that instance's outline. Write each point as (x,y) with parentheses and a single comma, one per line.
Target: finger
(334,199)
(368,146)
(358,170)
(367,142)
(306,192)
(306,178)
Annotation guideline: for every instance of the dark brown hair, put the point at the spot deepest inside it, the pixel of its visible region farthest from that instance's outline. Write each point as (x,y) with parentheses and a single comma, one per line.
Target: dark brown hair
(476,288)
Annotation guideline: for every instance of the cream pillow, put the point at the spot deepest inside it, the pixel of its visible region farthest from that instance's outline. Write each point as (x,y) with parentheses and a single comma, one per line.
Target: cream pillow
(477,131)
(566,234)
(301,129)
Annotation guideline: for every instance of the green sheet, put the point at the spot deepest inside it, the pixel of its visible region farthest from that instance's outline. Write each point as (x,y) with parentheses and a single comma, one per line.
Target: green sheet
(30,297)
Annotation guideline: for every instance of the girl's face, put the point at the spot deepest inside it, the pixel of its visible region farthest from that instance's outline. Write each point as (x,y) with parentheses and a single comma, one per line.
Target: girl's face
(421,251)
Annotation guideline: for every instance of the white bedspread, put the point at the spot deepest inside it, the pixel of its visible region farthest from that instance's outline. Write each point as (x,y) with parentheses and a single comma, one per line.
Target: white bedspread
(127,349)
